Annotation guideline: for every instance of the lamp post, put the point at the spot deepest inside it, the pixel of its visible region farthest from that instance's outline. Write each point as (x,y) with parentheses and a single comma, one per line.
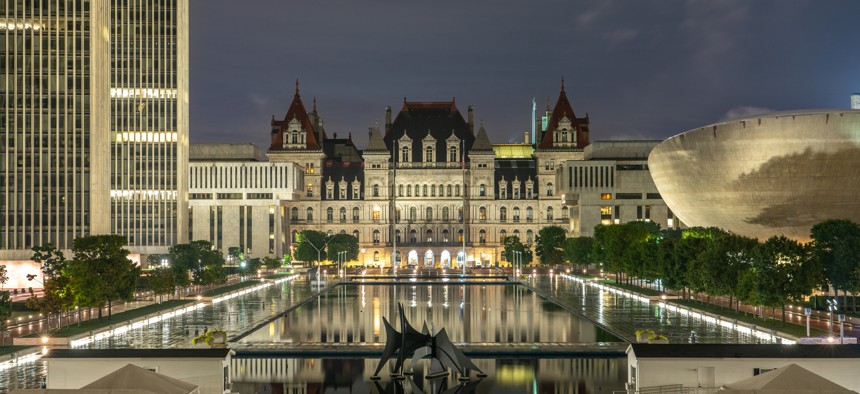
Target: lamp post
(831,306)
(319,254)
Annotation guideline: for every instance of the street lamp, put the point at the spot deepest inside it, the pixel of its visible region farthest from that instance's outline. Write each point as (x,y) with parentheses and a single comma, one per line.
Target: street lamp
(319,254)
(831,306)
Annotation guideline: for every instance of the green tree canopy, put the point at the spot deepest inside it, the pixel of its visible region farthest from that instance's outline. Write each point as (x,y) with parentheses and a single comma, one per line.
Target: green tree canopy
(343,243)
(512,244)
(205,264)
(579,250)
(101,272)
(784,272)
(309,242)
(162,281)
(50,259)
(550,245)
(836,244)
(5,309)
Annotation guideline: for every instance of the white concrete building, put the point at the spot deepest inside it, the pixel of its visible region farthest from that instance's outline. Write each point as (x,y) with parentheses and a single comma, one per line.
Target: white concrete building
(238,199)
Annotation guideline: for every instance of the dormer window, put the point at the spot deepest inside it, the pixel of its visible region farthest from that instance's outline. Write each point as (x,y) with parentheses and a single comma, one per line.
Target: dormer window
(452,154)
(404,154)
(428,154)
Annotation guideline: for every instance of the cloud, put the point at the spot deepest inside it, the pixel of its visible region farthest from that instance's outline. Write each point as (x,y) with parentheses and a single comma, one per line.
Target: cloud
(745,112)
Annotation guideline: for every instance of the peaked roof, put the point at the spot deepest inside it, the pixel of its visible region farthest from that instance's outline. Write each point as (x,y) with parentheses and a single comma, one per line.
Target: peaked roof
(788,379)
(297,111)
(439,119)
(562,109)
(482,142)
(375,142)
(133,377)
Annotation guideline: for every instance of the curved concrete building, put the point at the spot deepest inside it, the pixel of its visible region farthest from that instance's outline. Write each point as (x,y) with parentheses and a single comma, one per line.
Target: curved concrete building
(773,174)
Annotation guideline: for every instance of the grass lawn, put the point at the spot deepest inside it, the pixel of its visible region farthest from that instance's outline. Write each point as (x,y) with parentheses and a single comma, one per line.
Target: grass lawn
(633,288)
(770,324)
(4,350)
(117,318)
(229,288)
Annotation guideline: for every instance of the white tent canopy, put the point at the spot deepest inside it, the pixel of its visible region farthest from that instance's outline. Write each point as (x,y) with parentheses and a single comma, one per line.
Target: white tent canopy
(791,379)
(133,377)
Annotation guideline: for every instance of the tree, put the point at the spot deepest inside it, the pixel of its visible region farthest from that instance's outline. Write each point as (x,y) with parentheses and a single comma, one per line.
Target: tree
(56,299)
(784,272)
(162,281)
(271,263)
(343,243)
(235,255)
(312,245)
(51,259)
(549,245)
(250,265)
(512,245)
(579,250)
(4,277)
(5,309)
(101,272)
(836,243)
(205,265)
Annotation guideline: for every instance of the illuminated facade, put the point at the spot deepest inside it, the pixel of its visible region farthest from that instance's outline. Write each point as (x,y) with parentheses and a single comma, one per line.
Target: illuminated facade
(149,123)
(450,186)
(54,122)
(93,124)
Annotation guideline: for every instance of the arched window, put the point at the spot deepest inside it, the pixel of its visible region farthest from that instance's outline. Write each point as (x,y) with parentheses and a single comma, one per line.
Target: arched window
(563,135)
(460,217)
(445,214)
(294,213)
(457,190)
(503,214)
(413,214)
(408,190)
(397,215)
(502,235)
(482,213)
(482,237)
(482,190)
(460,235)
(329,233)
(565,213)
(432,190)
(452,154)
(310,214)
(428,214)
(355,234)
(329,214)
(397,234)
(343,232)
(445,235)
(375,237)
(375,256)
(517,234)
(375,190)
(448,190)
(404,157)
(516,214)
(342,214)
(529,214)
(355,214)
(530,236)
(428,154)
(424,191)
(549,213)
(400,191)
(429,236)
(413,236)
(549,189)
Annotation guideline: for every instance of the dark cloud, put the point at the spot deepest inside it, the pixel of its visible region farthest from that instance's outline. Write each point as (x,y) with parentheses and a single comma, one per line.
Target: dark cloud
(639,69)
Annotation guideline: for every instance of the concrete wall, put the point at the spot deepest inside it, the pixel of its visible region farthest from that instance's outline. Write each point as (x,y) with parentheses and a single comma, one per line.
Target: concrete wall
(74,373)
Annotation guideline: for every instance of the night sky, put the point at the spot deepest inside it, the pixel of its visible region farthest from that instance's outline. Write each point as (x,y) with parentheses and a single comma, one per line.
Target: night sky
(640,69)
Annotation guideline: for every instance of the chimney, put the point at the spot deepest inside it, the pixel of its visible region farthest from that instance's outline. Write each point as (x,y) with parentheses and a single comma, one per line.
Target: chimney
(387,119)
(855,101)
(526,139)
(471,120)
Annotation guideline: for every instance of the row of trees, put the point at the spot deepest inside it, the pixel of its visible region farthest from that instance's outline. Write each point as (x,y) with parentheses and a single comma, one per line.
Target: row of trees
(715,262)
(318,246)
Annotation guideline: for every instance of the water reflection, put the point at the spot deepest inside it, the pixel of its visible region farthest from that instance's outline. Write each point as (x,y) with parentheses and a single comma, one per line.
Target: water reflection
(591,375)
(469,313)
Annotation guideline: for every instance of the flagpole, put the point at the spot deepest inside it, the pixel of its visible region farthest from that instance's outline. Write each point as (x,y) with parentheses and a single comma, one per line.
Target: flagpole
(394,207)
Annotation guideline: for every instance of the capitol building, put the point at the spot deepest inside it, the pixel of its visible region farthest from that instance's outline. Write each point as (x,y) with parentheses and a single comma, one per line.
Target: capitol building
(429,185)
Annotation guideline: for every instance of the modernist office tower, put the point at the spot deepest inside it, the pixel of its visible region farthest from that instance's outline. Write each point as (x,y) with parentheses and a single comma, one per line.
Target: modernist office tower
(54,123)
(93,125)
(149,123)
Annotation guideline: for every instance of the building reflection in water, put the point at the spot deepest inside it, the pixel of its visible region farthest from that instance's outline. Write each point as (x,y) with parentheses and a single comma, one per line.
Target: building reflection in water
(469,313)
(575,376)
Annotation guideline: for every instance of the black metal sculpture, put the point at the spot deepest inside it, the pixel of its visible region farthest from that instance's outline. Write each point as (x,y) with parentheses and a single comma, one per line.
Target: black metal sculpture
(417,345)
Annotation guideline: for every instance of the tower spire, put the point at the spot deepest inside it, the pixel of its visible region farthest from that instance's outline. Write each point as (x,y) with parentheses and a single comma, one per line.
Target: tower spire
(315,104)
(297,86)
(562,83)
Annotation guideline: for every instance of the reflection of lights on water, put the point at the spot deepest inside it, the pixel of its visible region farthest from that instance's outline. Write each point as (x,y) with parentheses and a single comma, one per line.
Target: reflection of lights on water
(376,317)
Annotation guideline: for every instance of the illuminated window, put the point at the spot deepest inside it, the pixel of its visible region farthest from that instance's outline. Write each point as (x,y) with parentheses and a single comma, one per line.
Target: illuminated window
(503,214)
(482,213)
(376,214)
(445,235)
(482,237)
(482,190)
(605,196)
(309,168)
(428,215)
(549,190)
(310,189)
(375,256)
(605,211)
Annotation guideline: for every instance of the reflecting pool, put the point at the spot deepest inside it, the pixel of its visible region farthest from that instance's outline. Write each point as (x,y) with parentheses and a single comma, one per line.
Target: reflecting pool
(474,313)
(307,375)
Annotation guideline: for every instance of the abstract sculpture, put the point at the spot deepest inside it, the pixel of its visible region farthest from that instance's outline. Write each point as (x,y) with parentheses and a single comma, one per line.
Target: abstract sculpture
(417,345)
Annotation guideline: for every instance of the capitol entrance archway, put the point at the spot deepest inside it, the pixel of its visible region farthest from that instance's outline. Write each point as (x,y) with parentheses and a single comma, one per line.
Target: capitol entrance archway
(429,262)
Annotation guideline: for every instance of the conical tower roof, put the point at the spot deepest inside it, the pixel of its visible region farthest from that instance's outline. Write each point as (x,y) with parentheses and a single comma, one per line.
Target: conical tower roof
(375,143)
(482,142)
